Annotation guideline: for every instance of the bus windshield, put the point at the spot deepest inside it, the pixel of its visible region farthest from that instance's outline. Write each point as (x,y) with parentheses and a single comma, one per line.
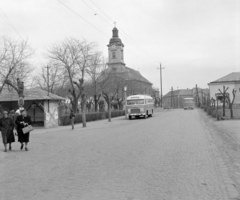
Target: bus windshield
(188,100)
(135,102)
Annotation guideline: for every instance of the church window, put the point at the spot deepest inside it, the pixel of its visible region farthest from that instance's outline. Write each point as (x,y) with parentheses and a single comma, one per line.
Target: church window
(122,54)
(113,54)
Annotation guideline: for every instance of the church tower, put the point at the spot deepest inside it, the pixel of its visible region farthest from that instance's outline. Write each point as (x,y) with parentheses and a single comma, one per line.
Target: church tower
(115,52)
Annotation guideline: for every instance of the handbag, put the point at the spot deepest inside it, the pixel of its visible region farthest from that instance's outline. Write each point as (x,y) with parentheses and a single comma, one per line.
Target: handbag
(27,129)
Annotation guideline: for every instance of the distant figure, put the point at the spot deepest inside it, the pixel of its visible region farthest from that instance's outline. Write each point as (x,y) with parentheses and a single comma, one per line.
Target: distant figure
(22,121)
(72,118)
(6,127)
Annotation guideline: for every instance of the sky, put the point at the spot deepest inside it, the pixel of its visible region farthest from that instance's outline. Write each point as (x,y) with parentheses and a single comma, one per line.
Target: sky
(196,41)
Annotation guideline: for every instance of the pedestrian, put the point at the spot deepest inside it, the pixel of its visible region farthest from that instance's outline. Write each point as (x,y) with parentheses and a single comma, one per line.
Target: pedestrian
(72,118)
(6,127)
(13,116)
(22,121)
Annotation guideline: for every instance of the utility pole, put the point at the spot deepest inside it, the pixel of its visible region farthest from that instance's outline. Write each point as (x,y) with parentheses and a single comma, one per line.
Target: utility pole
(48,78)
(48,83)
(161,83)
(197,95)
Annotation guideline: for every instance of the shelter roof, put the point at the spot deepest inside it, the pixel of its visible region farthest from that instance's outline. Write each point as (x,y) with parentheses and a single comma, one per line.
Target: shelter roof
(232,77)
(30,94)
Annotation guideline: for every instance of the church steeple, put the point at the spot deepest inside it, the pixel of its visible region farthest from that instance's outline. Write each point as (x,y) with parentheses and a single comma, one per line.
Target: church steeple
(115,50)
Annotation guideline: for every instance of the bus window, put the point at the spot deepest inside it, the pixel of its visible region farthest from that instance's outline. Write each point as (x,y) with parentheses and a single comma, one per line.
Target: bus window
(135,102)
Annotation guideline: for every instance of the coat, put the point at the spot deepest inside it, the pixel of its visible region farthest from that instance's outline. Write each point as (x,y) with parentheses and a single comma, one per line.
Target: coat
(6,127)
(21,136)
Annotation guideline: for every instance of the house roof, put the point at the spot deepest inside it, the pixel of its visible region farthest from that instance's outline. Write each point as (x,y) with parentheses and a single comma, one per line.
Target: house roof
(232,77)
(181,92)
(30,94)
(136,75)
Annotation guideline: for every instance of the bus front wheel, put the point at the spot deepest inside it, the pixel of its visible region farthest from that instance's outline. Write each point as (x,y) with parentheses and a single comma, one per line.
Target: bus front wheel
(146,116)
(130,117)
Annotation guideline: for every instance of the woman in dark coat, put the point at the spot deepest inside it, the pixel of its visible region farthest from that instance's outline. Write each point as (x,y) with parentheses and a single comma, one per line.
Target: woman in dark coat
(22,121)
(6,127)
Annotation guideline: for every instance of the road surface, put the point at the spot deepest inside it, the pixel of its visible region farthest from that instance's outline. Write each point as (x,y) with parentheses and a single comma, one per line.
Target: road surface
(169,156)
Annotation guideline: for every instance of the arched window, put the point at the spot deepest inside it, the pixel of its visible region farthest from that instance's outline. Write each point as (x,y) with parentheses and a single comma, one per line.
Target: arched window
(122,54)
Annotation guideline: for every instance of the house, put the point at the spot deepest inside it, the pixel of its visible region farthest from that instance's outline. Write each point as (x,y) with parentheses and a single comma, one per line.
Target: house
(175,98)
(230,81)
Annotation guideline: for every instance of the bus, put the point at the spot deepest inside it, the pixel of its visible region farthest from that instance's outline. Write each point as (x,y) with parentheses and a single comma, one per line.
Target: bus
(188,103)
(139,106)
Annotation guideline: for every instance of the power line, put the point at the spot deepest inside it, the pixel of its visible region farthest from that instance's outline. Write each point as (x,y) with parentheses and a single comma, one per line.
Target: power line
(92,25)
(82,18)
(123,31)
(10,23)
(96,12)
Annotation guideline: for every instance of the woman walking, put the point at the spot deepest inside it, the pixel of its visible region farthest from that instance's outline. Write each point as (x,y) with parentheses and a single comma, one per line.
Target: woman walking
(22,121)
(6,127)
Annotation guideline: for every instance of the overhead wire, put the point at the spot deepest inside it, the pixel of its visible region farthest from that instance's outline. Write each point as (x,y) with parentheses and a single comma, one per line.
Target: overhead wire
(82,18)
(11,24)
(123,31)
(92,25)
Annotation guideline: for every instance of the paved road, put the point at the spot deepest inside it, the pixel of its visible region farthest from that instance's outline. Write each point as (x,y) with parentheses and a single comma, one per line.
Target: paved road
(169,156)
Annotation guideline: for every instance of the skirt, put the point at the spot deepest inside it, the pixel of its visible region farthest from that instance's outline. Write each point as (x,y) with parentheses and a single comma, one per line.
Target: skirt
(8,137)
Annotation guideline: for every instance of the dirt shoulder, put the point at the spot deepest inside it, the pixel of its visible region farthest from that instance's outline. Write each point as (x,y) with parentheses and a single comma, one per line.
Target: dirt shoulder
(226,136)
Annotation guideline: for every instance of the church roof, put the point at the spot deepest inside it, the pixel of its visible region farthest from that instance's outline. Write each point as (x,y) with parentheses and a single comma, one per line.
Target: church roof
(30,94)
(135,75)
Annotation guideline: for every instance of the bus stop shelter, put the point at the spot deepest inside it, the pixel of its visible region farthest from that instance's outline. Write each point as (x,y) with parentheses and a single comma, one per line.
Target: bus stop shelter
(43,108)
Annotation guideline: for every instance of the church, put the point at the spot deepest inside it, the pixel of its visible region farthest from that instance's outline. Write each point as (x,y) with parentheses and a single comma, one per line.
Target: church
(135,82)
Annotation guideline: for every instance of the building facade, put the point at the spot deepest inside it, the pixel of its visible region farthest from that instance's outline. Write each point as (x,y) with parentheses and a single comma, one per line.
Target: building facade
(230,81)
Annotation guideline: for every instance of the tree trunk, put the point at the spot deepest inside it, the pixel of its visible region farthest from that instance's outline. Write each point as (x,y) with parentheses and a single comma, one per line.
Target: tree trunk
(224,106)
(109,111)
(95,103)
(231,110)
(83,105)
(74,103)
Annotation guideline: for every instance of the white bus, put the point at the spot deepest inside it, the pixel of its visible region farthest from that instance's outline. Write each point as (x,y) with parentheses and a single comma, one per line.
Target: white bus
(139,106)
(188,103)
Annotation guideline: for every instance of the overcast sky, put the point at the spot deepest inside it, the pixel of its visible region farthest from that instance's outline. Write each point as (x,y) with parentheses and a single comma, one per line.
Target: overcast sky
(197,41)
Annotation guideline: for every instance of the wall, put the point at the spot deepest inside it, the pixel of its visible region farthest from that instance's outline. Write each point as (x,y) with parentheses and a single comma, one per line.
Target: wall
(215,86)
(51,115)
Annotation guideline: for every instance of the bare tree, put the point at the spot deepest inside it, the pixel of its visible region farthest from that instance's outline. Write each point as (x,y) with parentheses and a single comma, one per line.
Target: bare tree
(96,67)
(111,84)
(231,102)
(14,63)
(55,79)
(73,57)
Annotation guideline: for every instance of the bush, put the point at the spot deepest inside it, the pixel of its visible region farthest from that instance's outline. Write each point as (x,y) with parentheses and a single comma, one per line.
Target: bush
(64,119)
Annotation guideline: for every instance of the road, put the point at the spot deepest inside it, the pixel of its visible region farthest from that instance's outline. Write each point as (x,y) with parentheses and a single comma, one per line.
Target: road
(169,156)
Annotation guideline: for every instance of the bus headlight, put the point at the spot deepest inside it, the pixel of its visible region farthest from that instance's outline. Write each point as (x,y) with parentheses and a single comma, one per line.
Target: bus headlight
(129,110)
(141,109)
